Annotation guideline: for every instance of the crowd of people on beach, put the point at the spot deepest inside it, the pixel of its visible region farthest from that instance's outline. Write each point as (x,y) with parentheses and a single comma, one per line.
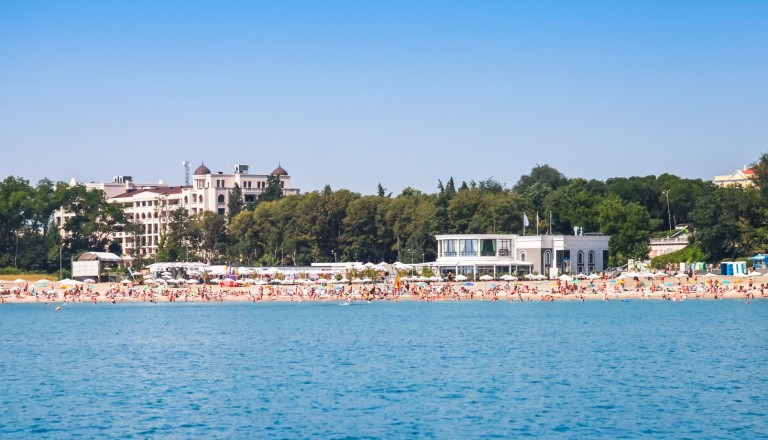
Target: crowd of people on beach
(547,291)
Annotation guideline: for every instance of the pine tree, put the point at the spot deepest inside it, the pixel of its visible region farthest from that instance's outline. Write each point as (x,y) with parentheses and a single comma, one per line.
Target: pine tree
(236,203)
(273,191)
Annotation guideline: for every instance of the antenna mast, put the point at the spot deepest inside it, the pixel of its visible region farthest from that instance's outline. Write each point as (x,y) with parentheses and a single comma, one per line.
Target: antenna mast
(186,172)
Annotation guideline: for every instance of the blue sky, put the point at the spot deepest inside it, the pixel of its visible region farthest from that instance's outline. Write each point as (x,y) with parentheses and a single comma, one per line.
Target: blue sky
(353,93)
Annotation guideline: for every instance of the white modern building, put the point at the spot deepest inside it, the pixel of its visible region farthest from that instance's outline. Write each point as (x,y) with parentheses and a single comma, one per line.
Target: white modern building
(152,204)
(500,254)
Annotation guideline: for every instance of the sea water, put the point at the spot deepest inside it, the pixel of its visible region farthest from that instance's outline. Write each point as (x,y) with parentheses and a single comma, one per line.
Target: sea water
(641,369)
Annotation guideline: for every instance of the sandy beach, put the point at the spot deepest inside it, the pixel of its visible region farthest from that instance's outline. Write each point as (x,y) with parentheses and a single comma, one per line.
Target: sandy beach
(673,289)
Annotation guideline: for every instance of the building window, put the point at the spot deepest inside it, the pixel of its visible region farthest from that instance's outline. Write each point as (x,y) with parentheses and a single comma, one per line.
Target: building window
(523,256)
(221,198)
(467,248)
(487,248)
(591,261)
(449,248)
(547,258)
(580,262)
(505,248)
(221,211)
(186,200)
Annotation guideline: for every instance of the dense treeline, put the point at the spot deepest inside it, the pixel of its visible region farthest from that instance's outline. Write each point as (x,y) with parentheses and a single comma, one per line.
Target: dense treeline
(30,241)
(330,225)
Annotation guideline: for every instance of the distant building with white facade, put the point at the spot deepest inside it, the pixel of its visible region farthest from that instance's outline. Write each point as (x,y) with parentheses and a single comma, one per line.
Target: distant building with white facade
(500,254)
(741,177)
(151,205)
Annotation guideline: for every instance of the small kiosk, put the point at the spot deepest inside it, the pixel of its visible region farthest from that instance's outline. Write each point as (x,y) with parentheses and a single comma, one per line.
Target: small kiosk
(759,261)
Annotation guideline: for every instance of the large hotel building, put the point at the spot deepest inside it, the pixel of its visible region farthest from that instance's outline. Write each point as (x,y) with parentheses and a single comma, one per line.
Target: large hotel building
(152,204)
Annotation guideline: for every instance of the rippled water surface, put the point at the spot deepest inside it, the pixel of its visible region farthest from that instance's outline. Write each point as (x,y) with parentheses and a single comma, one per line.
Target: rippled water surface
(697,369)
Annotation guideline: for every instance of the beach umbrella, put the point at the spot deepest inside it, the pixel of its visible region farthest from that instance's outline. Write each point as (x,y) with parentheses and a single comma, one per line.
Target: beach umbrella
(486,278)
(461,278)
(565,277)
(708,274)
(593,276)
(740,275)
(89,280)
(681,275)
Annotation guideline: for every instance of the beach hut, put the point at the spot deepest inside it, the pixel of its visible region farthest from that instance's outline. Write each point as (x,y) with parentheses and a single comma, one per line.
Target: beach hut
(733,267)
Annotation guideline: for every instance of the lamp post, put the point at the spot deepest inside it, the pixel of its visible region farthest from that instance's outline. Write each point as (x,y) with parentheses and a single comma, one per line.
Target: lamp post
(411,251)
(669,214)
(334,255)
(61,247)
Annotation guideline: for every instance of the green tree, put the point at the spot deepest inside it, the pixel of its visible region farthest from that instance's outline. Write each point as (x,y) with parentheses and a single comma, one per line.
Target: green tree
(717,221)
(212,230)
(575,204)
(628,225)
(93,220)
(236,203)
(535,186)
(273,191)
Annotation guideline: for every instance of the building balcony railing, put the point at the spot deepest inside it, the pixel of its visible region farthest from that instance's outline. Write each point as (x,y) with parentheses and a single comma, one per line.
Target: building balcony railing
(487,254)
(676,240)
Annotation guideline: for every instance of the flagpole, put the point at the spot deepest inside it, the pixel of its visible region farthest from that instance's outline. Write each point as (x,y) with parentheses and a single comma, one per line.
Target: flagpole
(550,222)
(537,223)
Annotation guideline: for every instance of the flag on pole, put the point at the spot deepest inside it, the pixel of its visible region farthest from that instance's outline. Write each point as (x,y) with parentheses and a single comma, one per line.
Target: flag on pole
(525,220)
(538,222)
